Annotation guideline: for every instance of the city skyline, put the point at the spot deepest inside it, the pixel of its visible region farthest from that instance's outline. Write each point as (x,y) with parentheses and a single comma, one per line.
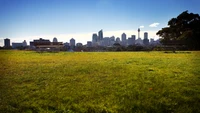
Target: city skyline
(27,20)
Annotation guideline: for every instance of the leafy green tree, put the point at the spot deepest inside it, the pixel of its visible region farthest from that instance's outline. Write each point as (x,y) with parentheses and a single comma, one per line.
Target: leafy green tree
(182,30)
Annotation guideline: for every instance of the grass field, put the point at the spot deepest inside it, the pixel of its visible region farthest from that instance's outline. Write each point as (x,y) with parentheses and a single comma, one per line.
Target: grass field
(99,82)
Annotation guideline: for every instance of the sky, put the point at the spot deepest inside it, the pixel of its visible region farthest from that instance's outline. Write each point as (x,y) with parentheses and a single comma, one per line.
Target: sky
(65,19)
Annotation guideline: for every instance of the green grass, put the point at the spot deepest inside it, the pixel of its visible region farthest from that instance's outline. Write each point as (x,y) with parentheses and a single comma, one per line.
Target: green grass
(99,82)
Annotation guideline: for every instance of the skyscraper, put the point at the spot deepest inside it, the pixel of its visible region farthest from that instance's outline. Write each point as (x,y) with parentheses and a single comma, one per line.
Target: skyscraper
(145,35)
(100,37)
(94,38)
(72,43)
(6,42)
(146,40)
(124,42)
(123,37)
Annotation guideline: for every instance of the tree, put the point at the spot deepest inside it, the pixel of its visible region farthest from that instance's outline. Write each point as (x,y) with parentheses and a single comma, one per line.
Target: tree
(182,30)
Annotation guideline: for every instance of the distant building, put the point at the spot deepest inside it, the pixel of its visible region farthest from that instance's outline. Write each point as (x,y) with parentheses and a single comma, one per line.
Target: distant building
(100,33)
(94,38)
(134,38)
(124,42)
(106,41)
(112,40)
(79,44)
(24,43)
(40,42)
(139,41)
(89,44)
(146,40)
(43,43)
(117,40)
(145,35)
(66,45)
(16,45)
(55,39)
(6,42)
(151,41)
(72,42)
(130,41)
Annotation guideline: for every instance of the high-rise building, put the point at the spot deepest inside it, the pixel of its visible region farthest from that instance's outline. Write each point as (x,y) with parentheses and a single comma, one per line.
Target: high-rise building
(134,38)
(124,42)
(94,38)
(72,43)
(146,40)
(100,33)
(6,42)
(123,37)
(145,35)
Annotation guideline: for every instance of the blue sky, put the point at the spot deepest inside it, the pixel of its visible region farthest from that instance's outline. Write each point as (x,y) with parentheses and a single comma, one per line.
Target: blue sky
(31,19)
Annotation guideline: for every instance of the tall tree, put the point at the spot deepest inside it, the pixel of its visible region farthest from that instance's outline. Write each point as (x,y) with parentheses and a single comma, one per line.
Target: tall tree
(182,30)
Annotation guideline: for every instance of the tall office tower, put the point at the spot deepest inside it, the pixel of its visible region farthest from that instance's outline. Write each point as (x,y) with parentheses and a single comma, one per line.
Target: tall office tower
(55,39)
(100,33)
(138,32)
(94,38)
(124,42)
(145,35)
(6,42)
(123,37)
(146,40)
(72,43)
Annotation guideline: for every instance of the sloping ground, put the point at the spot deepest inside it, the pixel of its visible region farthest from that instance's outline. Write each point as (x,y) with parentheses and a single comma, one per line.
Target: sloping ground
(99,82)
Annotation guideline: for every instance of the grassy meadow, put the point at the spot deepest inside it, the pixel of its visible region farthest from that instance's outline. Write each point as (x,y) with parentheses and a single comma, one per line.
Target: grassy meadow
(99,82)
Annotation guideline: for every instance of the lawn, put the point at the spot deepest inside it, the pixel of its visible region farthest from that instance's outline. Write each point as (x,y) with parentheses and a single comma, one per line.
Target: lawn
(99,82)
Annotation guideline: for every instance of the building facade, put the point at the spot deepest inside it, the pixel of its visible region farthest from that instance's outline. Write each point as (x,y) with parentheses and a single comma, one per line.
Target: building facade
(6,42)
(72,42)
(94,38)
(146,40)
(100,37)
(124,41)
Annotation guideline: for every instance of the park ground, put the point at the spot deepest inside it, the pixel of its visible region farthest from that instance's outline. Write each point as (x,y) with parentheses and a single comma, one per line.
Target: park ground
(99,82)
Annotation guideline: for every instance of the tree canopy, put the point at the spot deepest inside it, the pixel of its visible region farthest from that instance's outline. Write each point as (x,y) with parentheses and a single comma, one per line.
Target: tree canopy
(182,30)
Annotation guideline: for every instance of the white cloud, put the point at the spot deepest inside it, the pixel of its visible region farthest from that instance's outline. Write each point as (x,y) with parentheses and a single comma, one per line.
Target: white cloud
(141,27)
(154,25)
(80,37)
